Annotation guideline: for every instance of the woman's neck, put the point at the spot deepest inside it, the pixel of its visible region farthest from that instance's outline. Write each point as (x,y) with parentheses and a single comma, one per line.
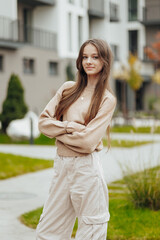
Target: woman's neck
(92,80)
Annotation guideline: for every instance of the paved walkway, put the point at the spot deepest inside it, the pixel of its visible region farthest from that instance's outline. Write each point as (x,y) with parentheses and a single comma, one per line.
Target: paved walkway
(24,193)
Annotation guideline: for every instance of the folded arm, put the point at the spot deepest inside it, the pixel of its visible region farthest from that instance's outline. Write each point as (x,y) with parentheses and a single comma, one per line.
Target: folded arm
(87,140)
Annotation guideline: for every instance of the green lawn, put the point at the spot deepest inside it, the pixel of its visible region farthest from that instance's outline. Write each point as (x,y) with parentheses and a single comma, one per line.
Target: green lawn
(129,223)
(11,165)
(125,143)
(43,140)
(126,222)
(130,129)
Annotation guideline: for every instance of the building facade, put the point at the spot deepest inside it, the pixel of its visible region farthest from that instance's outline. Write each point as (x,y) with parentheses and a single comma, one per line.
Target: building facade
(40,38)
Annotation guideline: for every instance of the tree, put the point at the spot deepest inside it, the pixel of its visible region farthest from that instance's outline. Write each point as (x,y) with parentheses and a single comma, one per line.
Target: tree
(156,76)
(14,106)
(134,79)
(129,74)
(69,72)
(153,53)
(122,75)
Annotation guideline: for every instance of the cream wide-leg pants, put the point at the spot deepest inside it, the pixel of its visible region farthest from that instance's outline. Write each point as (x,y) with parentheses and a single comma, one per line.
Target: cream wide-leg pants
(78,189)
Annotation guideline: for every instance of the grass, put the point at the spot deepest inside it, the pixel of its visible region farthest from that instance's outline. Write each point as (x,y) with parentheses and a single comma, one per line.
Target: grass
(31,219)
(125,143)
(144,188)
(43,140)
(130,129)
(127,222)
(11,165)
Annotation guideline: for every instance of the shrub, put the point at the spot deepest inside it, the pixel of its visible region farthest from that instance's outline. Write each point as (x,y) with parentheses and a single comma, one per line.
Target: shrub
(70,73)
(144,188)
(13,106)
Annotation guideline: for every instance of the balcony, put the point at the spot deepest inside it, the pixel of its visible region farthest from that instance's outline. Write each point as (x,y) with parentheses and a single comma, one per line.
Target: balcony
(38,2)
(96,9)
(14,34)
(151,16)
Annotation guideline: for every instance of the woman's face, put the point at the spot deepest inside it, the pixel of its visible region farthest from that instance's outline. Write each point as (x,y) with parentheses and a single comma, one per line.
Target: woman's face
(92,64)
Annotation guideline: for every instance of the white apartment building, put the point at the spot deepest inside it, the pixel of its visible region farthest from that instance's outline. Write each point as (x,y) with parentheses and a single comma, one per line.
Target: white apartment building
(37,41)
(128,26)
(40,38)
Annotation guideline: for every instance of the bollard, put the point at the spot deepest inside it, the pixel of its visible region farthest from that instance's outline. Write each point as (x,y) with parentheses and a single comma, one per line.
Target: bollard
(31,132)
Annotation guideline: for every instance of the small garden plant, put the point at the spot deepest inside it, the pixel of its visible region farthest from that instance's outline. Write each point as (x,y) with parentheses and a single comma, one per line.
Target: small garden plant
(144,188)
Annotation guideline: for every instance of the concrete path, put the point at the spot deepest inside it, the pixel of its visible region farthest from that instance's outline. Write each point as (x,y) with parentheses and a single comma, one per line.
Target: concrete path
(17,196)
(24,193)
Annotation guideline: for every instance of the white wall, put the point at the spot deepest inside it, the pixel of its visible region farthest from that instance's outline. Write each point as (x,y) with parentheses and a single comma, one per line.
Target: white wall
(55,19)
(77,9)
(8,8)
(46,18)
(118,32)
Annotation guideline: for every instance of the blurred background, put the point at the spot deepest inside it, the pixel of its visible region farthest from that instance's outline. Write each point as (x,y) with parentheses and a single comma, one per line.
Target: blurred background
(40,39)
(39,44)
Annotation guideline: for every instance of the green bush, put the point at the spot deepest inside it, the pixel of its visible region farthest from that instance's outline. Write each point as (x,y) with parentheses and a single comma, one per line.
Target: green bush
(69,73)
(13,106)
(153,104)
(144,189)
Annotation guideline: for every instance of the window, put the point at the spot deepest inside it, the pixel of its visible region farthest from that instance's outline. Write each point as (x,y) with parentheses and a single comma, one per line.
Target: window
(28,66)
(53,68)
(114,12)
(132,10)
(1,63)
(133,41)
(115,51)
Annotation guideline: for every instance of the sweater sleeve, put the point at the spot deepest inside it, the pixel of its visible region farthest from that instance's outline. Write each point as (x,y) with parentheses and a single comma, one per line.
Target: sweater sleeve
(49,125)
(87,140)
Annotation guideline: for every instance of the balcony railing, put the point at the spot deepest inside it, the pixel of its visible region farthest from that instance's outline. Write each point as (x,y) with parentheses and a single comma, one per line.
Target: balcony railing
(96,8)
(14,33)
(38,2)
(151,15)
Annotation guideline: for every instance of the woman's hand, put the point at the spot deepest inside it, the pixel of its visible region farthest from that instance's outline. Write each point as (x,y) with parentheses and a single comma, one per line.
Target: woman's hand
(74,127)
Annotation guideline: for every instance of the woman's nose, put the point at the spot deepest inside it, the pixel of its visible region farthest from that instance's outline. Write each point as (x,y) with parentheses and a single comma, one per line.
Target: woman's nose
(89,60)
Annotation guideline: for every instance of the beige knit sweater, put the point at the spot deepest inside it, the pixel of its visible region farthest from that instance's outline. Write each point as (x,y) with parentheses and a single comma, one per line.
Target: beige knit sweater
(73,138)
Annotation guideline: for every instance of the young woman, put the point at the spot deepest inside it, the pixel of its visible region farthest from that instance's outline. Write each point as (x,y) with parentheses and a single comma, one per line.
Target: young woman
(78,116)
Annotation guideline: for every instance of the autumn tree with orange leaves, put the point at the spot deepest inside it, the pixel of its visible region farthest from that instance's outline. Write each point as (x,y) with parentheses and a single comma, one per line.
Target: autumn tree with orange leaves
(153,53)
(129,74)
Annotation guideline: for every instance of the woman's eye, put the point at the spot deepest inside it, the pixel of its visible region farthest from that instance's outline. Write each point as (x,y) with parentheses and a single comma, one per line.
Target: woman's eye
(84,57)
(95,57)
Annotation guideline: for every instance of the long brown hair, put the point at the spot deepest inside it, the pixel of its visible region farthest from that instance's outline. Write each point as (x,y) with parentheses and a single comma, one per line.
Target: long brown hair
(71,94)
